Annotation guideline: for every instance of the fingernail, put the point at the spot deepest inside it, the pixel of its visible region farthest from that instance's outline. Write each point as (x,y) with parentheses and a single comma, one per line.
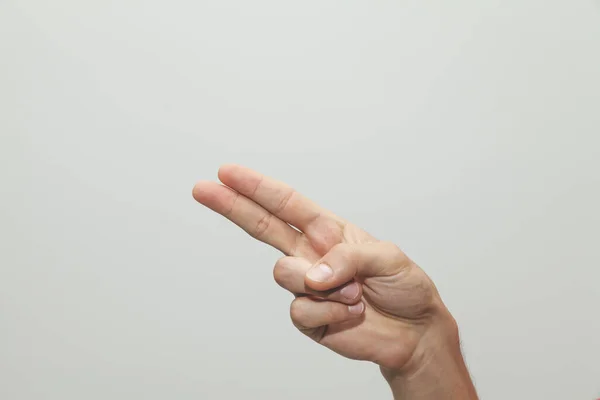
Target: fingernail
(351,291)
(357,308)
(320,273)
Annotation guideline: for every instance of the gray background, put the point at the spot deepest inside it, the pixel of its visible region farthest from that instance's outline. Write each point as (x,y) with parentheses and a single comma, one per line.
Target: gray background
(465,131)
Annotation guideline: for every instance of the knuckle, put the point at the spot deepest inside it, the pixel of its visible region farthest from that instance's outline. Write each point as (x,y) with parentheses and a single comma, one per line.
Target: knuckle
(280,272)
(258,186)
(285,200)
(297,312)
(391,247)
(233,205)
(262,225)
(395,252)
(335,313)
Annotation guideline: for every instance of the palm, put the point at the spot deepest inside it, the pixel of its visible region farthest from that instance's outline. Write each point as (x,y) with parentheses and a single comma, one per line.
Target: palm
(272,212)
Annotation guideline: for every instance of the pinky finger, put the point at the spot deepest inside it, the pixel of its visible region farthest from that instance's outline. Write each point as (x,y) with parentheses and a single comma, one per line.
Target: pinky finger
(309,313)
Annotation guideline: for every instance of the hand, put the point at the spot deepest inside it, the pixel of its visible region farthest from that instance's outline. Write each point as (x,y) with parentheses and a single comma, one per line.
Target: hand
(360,297)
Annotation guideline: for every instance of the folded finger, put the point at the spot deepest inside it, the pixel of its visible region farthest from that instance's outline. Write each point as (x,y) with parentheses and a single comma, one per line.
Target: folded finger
(309,313)
(289,273)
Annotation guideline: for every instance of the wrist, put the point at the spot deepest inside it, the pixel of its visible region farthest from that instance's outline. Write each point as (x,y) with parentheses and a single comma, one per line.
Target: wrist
(437,369)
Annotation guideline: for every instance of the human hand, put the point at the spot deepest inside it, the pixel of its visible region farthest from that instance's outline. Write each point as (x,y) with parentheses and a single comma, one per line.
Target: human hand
(360,297)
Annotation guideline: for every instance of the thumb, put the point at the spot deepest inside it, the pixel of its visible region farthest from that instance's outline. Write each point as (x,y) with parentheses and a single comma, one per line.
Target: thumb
(345,262)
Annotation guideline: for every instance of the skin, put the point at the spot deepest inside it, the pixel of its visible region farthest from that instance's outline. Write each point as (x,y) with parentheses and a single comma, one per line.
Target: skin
(361,297)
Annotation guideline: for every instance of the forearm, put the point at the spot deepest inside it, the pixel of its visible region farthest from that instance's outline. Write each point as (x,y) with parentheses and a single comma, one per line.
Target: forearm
(438,371)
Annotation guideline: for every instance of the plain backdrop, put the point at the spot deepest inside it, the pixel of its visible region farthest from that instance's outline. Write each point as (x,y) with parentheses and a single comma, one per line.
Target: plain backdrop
(465,131)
